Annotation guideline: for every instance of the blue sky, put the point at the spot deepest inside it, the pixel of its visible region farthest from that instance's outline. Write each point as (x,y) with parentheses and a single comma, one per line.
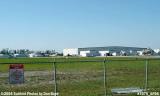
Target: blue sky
(58,24)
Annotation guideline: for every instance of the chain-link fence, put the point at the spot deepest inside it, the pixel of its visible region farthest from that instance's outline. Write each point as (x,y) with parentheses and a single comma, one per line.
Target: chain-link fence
(84,77)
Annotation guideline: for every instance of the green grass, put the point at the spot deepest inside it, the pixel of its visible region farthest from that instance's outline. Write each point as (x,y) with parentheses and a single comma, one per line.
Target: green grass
(86,78)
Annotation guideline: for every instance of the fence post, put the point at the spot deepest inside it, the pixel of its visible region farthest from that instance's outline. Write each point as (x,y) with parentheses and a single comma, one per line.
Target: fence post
(104,76)
(55,80)
(146,75)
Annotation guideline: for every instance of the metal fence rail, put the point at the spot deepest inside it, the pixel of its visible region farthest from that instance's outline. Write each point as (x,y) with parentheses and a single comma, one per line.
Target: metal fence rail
(104,64)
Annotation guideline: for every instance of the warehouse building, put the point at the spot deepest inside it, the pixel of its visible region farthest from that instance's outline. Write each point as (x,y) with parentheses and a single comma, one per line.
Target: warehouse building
(89,53)
(102,51)
(71,52)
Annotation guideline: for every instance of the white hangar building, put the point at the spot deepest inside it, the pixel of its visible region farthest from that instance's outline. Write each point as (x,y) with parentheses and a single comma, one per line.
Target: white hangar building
(100,51)
(70,51)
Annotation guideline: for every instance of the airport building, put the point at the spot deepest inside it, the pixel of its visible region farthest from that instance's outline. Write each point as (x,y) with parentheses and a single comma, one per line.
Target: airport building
(71,52)
(102,51)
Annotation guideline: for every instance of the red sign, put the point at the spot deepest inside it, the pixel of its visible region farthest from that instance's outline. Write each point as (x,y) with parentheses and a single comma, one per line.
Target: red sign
(16,66)
(16,73)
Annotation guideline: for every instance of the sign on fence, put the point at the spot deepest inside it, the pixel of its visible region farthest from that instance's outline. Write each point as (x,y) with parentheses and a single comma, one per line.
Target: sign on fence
(16,73)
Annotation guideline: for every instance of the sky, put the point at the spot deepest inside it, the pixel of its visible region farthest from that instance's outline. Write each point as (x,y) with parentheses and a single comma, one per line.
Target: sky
(59,24)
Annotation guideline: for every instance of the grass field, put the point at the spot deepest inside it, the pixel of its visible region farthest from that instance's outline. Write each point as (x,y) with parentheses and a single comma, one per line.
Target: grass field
(75,78)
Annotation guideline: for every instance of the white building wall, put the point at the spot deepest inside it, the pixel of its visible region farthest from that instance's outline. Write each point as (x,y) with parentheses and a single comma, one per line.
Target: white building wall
(84,53)
(72,51)
(89,53)
(114,54)
(140,53)
(32,55)
(156,50)
(103,53)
